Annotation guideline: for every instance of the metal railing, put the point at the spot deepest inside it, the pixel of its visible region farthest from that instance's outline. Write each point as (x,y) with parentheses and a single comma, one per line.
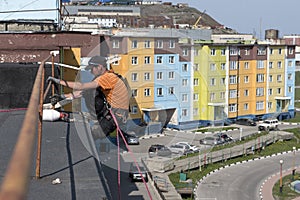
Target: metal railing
(16,179)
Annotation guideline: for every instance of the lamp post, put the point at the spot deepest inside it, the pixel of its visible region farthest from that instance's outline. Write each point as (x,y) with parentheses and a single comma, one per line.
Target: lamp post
(294,158)
(280,184)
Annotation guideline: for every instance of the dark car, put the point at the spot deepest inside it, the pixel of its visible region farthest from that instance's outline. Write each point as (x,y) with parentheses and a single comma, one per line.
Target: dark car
(131,138)
(224,137)
(246,122)
(159,150)
(211,140)
(136,174)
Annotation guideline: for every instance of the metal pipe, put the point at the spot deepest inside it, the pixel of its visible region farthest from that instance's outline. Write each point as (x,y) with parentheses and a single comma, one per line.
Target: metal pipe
(15,182)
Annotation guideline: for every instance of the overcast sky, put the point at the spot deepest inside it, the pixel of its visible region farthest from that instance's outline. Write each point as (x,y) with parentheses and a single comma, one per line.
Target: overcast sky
(252,16)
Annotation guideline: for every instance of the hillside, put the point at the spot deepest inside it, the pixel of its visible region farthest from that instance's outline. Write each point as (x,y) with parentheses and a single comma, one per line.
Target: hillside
(184,15)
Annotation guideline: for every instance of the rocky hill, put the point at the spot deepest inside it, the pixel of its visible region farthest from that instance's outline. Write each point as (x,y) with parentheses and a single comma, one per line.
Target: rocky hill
(185,15)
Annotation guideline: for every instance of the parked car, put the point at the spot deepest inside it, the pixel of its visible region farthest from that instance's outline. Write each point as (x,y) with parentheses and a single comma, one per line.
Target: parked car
(131,138)
(269,124)
(159,150)
(246,122)
(224,137)
(181,149)
(135,174)
(192,148)
(211,140)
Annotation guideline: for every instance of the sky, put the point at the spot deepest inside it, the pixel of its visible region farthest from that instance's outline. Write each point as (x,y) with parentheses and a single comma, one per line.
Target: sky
(252,16)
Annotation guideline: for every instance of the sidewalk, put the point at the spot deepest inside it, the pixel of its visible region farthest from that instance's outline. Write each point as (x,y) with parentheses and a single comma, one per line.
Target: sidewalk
(267,186)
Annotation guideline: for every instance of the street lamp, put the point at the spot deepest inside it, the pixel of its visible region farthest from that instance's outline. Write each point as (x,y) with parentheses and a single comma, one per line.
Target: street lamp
(294,158)
(280,187)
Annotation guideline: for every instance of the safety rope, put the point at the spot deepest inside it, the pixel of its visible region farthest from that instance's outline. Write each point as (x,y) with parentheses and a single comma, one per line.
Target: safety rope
(131,154)
(12,109)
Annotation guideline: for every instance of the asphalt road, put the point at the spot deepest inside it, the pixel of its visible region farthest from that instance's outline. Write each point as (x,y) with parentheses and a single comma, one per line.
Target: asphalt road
(243,181)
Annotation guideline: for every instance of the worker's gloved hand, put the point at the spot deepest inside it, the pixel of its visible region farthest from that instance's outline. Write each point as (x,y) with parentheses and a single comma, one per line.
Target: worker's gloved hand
(54,80)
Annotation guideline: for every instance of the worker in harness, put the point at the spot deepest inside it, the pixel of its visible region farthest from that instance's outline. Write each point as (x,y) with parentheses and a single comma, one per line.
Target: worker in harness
(110,93)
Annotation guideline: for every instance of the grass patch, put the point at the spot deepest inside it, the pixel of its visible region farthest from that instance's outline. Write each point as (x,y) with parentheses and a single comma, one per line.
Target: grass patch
(287,192)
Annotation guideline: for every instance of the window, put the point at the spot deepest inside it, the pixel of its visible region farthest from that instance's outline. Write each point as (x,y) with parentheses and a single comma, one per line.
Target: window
(222,81)
(279,65)
(159,44)
(184,98)
(278,90)
(279,51)
(172,44)
(171,75)
(184,82)
(261,51)
(171,59)
(185,52)
(134,44)
(147,60)
(196,67)
(270,105)
(233,65)
(271,51)
(246,106)
(270,92)
(159,59)
(223,66)
(147,44)
(147,92)
(212,66)
(259,92)
(259,105)
(195,111)
(232,79)
(147,76)
(212,81)
(160,92)
(260,78)
(246,93)
(134,109)
(247,52)
(213,52)
(223,52)
(232,107)
(233,51)
(195,96)
(196,52)
(246,79)
(290,63)
(222,95)
(212,96)
(232,94)
(159,75)
(116,44)
(291,50)
(196,81)
(279,78)
(184,67)
(134,77)
(134,92)
(290,76)
(171,90)
(246,65)
(184,112)
(134,60)
(270,65)
(260,64)
(290,89)
(270,78)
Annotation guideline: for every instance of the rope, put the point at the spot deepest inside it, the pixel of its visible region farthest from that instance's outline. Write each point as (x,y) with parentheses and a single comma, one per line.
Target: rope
(131,154)
(13,109)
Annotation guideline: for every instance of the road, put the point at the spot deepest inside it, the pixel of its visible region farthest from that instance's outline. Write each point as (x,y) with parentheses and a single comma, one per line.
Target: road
(243,181)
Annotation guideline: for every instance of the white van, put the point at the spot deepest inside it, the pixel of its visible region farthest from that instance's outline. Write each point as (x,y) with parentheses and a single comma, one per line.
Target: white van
(181,149)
